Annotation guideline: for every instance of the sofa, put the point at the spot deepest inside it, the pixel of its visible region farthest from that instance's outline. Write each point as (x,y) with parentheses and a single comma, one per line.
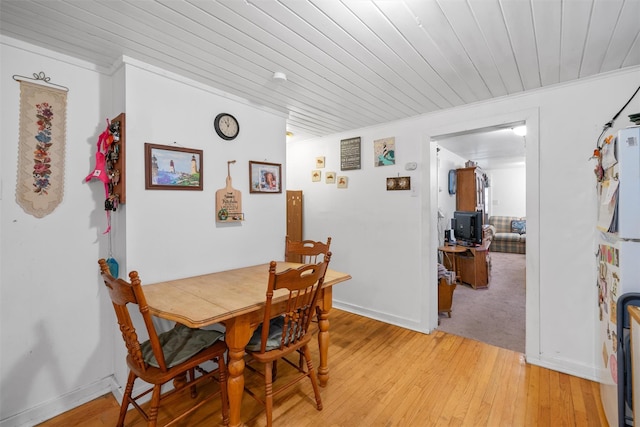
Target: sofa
(509,234)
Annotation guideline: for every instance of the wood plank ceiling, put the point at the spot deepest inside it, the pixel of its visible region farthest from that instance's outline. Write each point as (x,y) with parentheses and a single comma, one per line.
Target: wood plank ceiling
(349,64)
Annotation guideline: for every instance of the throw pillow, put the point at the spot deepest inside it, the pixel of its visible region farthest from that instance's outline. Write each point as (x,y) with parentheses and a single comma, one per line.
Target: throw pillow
(519,226)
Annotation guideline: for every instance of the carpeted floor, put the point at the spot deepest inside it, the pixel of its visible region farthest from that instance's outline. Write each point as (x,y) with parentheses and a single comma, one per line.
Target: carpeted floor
(494,315)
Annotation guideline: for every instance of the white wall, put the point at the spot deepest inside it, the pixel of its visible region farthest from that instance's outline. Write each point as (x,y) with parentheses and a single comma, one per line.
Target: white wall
(55,334)
(60,342)
(386,240)
(508,191)
(374,231)
(173,233)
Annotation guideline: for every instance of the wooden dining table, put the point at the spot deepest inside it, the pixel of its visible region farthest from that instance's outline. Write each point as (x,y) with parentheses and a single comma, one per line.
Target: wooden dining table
(236,299)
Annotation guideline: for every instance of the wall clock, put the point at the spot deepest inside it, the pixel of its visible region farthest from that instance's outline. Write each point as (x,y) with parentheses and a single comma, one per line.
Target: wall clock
(226,126)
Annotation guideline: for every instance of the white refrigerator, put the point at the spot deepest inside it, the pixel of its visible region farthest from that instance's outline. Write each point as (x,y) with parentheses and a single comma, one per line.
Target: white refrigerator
(618,256)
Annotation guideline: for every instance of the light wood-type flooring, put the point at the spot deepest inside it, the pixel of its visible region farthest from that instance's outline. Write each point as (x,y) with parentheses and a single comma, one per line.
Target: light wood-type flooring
(383,375)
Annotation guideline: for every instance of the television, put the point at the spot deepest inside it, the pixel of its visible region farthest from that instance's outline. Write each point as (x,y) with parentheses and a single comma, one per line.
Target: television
(468,227)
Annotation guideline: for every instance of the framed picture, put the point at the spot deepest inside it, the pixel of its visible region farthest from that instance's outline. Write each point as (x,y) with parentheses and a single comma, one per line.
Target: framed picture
(399,183)
(265,177)
(350,155)
(330,177)
(384,151)
(172,168)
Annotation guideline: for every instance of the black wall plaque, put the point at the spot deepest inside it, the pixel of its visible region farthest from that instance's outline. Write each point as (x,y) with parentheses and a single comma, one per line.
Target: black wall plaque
(350,154)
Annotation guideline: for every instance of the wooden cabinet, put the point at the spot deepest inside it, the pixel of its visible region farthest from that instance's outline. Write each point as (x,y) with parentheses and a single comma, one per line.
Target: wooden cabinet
(473,265)
(470,183)
(294,220)
(294,214)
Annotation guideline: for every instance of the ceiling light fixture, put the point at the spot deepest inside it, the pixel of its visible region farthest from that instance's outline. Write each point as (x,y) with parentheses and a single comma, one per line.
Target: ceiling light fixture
(279,76)
(289,134)
(520,130)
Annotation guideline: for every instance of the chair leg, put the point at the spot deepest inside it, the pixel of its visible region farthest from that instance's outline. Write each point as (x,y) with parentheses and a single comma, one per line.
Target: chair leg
(268,398)
(154,406)
(126,398)
(312,375)
(192,377)
(224,398)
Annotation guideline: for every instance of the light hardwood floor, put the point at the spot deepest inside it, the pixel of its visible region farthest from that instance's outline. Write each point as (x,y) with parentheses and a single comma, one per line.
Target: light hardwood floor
(383,375)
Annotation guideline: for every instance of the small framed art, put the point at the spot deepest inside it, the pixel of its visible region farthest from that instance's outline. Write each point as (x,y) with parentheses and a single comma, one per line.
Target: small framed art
(384,151)
(265,177)
(399,183)
(172,168)
(330,177)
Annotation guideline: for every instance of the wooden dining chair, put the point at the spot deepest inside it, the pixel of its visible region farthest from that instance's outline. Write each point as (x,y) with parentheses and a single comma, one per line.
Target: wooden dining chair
(286,334)
(305,251)
(173,355)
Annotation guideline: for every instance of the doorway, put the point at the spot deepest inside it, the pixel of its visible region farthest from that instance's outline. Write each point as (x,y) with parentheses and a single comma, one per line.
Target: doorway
(430,182)
(494,315)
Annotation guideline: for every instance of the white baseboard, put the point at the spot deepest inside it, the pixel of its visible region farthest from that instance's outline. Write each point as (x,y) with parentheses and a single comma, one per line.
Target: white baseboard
(565,366)
(377,315)
(48,410)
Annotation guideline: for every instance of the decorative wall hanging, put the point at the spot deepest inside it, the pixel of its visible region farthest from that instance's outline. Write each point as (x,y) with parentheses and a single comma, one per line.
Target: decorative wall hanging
(41,146)
(330,177)
(110,165)
(319,162)
(399,183)
(229,201)
(316,175)
(384,152)
(350,154)
(343,181)
(265,177)
(172,168)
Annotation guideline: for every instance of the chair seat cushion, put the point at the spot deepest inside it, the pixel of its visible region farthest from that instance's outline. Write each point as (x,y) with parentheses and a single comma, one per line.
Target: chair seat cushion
(273,340)
(179,344)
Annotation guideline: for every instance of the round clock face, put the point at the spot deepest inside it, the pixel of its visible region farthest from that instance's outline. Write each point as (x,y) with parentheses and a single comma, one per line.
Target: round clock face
(226,126)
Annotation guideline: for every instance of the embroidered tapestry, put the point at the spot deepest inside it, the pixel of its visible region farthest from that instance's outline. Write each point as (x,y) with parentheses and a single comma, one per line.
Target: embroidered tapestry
(43,117)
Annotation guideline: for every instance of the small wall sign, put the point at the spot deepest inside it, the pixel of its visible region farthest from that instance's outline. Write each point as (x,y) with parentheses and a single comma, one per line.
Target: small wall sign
(350,155)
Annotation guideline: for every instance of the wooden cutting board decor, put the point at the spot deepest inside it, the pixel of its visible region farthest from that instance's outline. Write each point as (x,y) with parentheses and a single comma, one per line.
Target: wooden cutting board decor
(229,201)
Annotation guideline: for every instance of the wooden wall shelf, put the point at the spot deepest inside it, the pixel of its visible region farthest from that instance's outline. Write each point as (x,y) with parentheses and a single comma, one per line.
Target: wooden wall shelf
(116,160)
